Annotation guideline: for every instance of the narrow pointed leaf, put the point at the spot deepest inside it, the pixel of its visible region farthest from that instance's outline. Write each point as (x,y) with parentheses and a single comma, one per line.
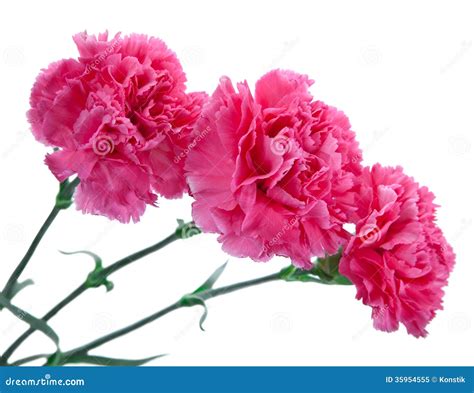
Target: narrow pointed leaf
(209,283)
(194,300)
(97,259)
(97,277)
(35,323)
(107,361)
(19,286)
(203,316)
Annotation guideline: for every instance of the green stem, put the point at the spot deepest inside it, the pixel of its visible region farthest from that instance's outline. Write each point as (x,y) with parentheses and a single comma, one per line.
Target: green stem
(84,287)
(204,295)
(139,254)
(29,253)
(28,359)
(210,293)
(68,190)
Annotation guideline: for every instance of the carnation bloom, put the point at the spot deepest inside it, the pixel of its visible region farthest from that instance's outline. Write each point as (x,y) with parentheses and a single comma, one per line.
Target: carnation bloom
(273,174)
(119,116)
(398,259)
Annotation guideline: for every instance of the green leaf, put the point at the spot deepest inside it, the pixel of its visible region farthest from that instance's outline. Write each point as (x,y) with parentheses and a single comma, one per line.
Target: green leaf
(19,286)
(35,323)
(194,300)
(97,259)
(55,359)
(106,361)
(198,298)
(209,283)
(96,278)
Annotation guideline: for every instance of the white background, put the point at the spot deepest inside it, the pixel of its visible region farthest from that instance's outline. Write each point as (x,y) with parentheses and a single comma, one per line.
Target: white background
(403,73)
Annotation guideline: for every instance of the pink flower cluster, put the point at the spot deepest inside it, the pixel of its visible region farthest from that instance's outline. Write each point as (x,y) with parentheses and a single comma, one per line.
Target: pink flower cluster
(274,172)
(119,116)
(279,174)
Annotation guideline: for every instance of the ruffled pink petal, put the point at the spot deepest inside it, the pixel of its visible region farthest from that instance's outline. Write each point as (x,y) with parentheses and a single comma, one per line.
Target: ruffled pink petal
(122,120)
(51,82)
(274,170)
(399,259)
(120,192)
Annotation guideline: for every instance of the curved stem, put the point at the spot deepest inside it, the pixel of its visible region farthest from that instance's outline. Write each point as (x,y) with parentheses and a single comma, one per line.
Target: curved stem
(7,290)
(208,294)
(28,359)
(139,254)
(84,287)
(121,332)
(51,313)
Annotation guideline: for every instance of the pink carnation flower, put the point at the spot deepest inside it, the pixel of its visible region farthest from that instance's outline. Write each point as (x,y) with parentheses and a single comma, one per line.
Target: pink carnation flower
(119,116)
(399,259)
(273,174)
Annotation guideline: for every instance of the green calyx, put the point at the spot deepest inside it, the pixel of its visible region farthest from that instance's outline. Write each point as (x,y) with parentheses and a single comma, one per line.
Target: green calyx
(66,191)
(186,230)
(324,271)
